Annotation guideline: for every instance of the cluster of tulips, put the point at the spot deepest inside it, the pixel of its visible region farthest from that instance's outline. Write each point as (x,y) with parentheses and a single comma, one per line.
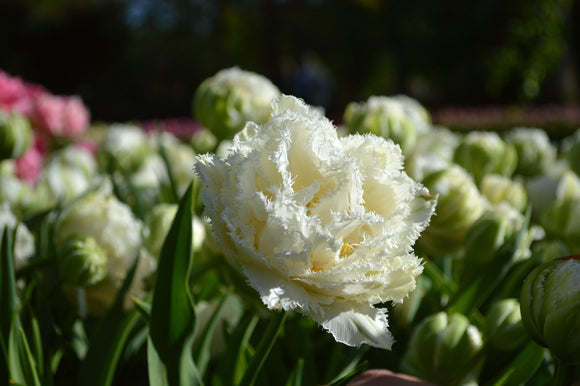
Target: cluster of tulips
(269,245)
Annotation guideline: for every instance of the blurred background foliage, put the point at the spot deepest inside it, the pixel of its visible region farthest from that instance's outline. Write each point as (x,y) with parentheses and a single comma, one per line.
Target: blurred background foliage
(143,59)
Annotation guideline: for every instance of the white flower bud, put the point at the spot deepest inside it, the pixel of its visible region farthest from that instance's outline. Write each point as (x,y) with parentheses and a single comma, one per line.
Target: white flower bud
(226,101)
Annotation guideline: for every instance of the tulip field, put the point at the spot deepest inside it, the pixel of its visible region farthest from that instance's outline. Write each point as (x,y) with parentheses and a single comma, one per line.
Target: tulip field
(261,243)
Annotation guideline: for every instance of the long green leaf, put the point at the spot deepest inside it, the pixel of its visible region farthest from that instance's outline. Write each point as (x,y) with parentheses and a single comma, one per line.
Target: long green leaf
(522,368)
(8,296)
(21,363)
(168,168)
(107,343)
(202,351)
(173,321)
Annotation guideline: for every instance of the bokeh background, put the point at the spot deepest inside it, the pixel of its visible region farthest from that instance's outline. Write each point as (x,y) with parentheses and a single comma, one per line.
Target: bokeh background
(143,59)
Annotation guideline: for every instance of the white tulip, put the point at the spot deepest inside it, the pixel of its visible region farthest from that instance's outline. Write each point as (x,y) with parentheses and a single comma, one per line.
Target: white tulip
(319,224)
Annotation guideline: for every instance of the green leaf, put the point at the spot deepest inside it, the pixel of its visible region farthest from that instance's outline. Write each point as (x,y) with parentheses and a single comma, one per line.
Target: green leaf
(522,368)
(173,321)
(201,352)
(8,296)
(21,363)
(165,158)
(351,367)
(108,340)
(264,347)
(155,368)
(144,309)
(344,378)
(233,362)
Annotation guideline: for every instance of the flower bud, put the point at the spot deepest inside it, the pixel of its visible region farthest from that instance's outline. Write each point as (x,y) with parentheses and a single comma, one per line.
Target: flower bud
(387,117)
(571,151)
(81,262)
(548,250)
(503,325)
(535,151)
(490,231)
(203,141)
(562,221)
(68,173)
(100,215)
(550,307)
(441,347)
(482,153)
(226,101)
(432,152)
(558,183)
(15,135)
(499,189)
(127,145)
(459,204)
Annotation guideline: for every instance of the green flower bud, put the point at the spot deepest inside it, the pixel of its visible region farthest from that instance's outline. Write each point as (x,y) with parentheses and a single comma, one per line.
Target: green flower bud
(558,183)
(15,135)
(571,151)
(81,262)
(490,231)
(548,250)
(387,117)
(459,204)
(68,173)
(550,307)
(503,325)
(432,152)
(562,221)
(124,146)
(13,191)
(204,141)
(482,153)
(116,230)
(535,151)
(498,189)
(226,101)
(440,347)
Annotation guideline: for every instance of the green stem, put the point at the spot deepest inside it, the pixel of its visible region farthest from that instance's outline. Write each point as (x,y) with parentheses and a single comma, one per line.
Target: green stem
(564,374)
(266,343)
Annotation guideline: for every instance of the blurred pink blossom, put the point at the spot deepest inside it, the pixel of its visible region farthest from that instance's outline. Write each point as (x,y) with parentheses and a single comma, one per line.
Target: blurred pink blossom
(28,166)
(63,117)
(56,116)
(18,95)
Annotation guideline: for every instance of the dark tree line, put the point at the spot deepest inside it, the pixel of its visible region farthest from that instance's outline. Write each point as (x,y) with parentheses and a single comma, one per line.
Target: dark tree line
(141,59)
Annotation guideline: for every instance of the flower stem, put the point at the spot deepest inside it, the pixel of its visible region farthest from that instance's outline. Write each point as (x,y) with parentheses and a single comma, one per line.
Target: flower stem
(264,347)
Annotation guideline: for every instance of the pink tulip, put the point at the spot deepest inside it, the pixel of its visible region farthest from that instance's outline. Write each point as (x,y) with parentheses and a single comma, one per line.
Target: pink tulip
(63,117)
(28,166)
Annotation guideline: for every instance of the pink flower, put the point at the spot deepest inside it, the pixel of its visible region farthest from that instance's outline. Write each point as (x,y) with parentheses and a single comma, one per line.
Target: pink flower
(28,166)
(63,117)
(17,95)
